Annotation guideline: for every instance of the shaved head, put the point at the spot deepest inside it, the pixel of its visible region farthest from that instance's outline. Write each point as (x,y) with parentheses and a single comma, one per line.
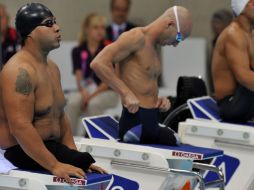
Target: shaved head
(184,19)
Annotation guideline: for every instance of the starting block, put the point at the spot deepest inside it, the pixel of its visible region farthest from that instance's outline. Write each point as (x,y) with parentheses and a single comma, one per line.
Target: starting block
(236,140)
(151,166)
(12,178)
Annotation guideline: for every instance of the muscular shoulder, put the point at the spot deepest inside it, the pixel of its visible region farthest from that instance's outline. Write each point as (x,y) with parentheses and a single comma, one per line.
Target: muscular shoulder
(19,73)
(18,65)
(235,36)
(134,37)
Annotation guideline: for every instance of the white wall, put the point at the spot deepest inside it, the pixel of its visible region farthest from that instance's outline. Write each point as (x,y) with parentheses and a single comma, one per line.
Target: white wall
(62,57)
(188,59)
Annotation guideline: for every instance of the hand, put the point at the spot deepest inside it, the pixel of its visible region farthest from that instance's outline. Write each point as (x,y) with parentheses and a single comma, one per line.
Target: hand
(163,104)
(94,168)
(85,99)
(66,170)
(131,102)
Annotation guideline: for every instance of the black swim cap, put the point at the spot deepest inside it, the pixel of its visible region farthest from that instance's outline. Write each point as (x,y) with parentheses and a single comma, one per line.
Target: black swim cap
(29,17)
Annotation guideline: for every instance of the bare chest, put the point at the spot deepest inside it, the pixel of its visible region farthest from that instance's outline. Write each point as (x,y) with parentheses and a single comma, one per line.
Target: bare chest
(49,97)
(149,60)
(251,52)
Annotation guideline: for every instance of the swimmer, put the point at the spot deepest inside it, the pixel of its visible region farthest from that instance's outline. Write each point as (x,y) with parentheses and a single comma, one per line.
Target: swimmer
(136,58)
(233,65)
(34,130)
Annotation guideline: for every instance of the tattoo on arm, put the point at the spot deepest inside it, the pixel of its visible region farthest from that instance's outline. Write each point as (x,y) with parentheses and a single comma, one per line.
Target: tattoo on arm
(23,82)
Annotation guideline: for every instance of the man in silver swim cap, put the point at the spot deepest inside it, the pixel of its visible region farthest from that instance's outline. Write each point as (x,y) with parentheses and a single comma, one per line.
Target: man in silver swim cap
(233,65)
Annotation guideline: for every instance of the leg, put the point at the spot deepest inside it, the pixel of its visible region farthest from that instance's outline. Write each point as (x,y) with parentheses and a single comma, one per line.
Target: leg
(101,102)
(239,107)
(127,122)
(152,132)
(20,159)
(143,127)
(62,153)
(73,110)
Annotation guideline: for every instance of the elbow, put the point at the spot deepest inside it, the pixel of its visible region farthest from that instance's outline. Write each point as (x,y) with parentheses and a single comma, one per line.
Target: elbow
(94,66)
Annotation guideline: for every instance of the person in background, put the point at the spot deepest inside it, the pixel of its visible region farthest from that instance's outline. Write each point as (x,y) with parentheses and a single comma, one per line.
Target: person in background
(8,37)
(120,23)
(220,20)
(93,96)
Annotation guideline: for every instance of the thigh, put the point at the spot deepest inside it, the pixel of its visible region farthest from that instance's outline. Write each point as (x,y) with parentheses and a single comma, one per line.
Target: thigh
(21,160)
(150,125)
(239,107)
(127,122)
(74,99)
(105,100)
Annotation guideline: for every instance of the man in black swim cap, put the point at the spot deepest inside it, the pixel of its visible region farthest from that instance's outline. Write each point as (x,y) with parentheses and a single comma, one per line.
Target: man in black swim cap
(29,21)
(34,129)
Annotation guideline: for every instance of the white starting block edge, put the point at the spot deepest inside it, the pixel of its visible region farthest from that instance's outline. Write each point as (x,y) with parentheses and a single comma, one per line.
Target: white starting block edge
(29,180)
(219,131)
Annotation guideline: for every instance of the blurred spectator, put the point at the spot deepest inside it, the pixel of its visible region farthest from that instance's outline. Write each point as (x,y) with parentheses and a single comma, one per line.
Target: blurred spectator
(8,36)
(93,97)
(120,24)
(220,20)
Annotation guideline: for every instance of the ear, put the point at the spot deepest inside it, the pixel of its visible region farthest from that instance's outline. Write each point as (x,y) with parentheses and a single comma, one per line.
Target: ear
(251,2)
(170,22)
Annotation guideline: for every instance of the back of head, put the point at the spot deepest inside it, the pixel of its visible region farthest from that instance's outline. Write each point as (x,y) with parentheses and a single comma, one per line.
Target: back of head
(29,17)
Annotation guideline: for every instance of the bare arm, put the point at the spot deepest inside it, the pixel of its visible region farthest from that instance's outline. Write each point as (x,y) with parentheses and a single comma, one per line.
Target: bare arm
(79,78)
(18,84)
(66,133)
(127,44)
(237,55)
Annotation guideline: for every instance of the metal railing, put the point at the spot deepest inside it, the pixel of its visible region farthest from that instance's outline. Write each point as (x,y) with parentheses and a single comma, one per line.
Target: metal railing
(185,173)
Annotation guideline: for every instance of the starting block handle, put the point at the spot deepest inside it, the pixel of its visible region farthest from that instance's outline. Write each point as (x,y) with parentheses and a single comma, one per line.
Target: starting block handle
(212,168)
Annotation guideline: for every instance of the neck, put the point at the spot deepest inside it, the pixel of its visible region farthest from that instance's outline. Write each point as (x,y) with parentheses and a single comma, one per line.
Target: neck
(36,51)
(118,23)
(92,43)
(153,32)
(245,23)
